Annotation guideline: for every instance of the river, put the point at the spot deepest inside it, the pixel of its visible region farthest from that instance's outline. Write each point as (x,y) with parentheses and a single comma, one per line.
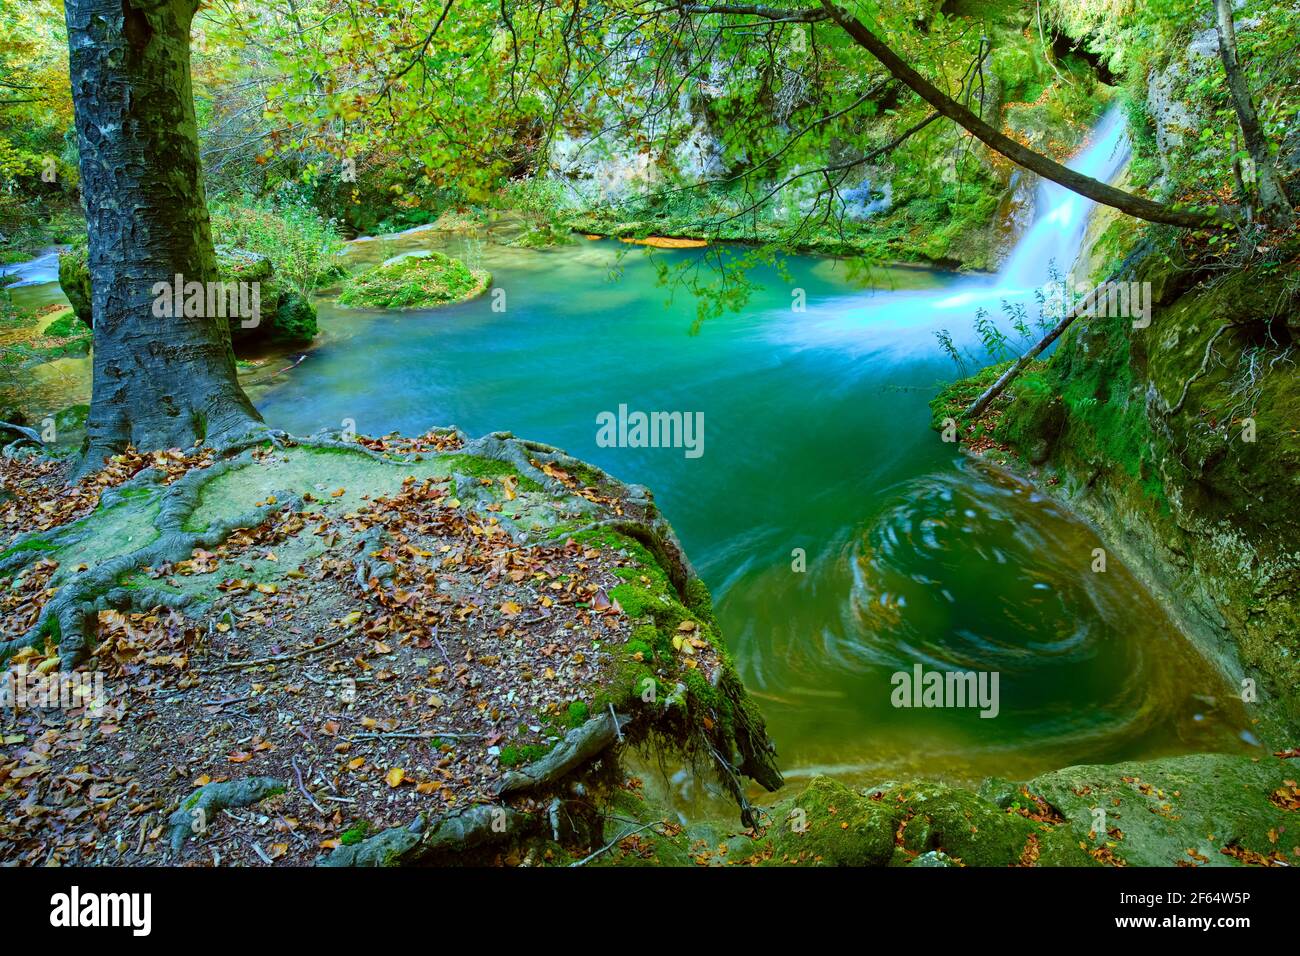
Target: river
(843,541)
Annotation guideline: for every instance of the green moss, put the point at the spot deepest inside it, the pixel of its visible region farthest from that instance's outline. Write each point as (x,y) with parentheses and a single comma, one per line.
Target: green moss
(414,282)
(31,544)
(543,236)
(513,755)
(577,714)
(478,467)
(1162,809)
(66,326)
(355,833)
(828,824)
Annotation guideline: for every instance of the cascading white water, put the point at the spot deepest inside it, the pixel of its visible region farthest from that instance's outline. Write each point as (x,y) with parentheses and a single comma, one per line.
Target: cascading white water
(901,323)
(1060,215)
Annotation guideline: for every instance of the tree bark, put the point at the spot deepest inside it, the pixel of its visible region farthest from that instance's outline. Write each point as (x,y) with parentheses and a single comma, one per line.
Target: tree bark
(1093,189)
(1273,200)
(157,382)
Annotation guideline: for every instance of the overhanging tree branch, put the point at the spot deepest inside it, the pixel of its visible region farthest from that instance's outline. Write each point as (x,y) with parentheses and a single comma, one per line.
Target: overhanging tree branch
(1137,206)
(1093,189)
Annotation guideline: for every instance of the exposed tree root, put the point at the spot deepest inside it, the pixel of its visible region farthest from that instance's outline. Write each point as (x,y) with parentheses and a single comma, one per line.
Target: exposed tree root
(195,815)
(425,840)
(579,746)
(69,616)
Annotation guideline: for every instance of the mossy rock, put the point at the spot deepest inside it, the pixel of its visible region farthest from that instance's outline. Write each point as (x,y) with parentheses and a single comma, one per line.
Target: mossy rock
(830,824)
(74,279)
(292,318)
(415,282)
(240,265)
(543,237)
(1202,809)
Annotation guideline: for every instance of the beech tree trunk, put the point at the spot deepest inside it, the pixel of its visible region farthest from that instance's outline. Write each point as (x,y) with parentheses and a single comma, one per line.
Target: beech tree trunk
(1272,197)
(157,382)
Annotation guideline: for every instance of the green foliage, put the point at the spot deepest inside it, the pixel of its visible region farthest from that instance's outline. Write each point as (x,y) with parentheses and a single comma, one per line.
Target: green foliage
(1149,41)
(38,157)
(996,344)
(949,349)
(295,319)
(303,248)
(537,196)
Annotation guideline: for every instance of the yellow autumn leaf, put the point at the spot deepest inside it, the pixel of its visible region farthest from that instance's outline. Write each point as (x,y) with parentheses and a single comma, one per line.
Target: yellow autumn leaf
(395,777)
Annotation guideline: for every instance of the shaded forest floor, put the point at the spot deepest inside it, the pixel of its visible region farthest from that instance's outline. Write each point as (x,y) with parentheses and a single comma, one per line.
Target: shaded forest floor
(382,633)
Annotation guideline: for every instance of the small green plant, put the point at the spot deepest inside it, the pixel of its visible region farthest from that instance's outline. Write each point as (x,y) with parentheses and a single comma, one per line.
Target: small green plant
(950,350)
(996,344)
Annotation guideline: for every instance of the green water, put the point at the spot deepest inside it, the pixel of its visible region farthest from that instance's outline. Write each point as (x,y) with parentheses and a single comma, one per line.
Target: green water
(816,437)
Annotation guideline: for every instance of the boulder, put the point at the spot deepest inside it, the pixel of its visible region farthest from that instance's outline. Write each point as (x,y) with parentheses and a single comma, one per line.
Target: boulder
(286,316)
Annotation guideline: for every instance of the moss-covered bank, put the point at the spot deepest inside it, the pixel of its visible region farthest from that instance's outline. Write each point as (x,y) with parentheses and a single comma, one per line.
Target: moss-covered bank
(1198,810)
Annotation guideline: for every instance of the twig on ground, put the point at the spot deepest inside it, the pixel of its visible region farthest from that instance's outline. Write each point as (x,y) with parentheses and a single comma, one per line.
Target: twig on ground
(258,662)
(609,846)
(298,776)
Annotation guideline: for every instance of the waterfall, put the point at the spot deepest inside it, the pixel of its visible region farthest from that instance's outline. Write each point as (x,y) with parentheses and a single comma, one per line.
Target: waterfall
(901,323)
(1055,235)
